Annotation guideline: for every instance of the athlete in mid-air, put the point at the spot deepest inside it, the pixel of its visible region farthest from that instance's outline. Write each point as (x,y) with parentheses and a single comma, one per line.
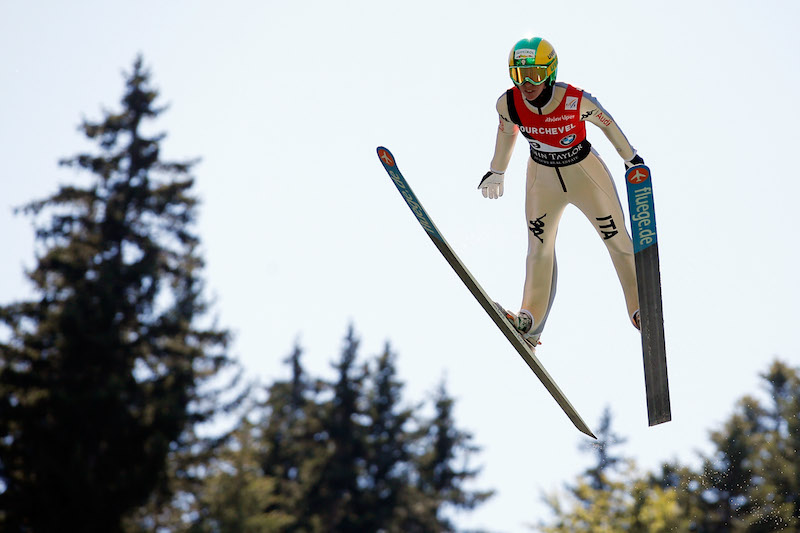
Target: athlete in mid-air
(563,169)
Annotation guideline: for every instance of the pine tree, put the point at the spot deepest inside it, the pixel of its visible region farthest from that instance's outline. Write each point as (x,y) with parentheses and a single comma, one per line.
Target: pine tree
(728,473)
(750,483)
(443,467)
(282,424)
(599,502)
(289,426)
(387,467)
(602,449)
(340,499)
(775,492)
(237,497)
(105,374)
(342,455)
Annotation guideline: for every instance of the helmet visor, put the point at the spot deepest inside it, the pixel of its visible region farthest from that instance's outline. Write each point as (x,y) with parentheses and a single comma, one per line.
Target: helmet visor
(535,74)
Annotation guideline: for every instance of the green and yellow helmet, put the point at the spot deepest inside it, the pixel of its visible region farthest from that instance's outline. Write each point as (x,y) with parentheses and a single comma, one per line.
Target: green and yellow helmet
(533,60)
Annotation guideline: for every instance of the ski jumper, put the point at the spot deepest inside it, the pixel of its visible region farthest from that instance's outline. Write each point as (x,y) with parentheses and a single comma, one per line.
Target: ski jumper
(564,169)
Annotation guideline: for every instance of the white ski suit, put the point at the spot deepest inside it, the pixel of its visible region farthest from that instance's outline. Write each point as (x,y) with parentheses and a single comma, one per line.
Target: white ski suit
(564,169)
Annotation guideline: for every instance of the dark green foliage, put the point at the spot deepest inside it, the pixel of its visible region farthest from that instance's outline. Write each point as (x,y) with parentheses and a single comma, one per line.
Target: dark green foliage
(749,483)
(441,474)
(347,455)
(103,375)
(387,469)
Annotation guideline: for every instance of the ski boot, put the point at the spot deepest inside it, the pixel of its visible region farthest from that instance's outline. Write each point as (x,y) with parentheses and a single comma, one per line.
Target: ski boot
(523,323)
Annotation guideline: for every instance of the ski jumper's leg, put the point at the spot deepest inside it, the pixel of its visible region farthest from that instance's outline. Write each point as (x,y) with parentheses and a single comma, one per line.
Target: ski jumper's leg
(545,201)
(596,196)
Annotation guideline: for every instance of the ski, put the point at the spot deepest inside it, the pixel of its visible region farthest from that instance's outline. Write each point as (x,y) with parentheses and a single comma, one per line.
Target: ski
(516,340)
(648,278)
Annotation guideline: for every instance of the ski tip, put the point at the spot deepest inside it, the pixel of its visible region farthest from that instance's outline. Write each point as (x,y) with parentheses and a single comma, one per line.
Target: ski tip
(386,157)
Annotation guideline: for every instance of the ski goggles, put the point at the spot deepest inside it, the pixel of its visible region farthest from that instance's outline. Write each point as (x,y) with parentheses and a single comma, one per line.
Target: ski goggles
(535,74)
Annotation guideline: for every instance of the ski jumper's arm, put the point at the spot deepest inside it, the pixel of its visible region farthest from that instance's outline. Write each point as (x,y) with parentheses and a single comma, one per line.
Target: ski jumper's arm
(592,111)
(506,135)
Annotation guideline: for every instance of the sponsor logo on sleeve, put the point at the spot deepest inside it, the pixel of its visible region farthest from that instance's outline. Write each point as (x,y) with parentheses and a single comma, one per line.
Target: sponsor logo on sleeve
(604,119)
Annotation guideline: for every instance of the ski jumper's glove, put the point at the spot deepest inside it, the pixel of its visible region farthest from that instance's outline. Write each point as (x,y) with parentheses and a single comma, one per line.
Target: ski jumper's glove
(633,162)
(492,185)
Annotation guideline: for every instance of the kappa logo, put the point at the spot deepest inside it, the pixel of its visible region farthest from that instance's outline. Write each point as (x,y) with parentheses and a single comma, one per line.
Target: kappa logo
(566,141)
(537,227)
(571,104)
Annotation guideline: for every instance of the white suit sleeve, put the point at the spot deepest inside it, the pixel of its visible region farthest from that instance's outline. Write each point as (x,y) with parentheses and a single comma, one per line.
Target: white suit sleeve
(593,112)
(506,136)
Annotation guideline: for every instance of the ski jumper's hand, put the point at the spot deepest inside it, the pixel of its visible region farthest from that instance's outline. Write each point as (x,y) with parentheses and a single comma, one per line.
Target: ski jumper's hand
(492,185)
(637,160)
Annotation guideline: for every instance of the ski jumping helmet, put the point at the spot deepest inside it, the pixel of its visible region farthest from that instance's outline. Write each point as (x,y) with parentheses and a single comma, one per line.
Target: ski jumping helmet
(533,60)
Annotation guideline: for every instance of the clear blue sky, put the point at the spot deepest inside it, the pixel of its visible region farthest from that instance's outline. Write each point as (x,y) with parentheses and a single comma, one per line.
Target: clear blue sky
(304,233)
